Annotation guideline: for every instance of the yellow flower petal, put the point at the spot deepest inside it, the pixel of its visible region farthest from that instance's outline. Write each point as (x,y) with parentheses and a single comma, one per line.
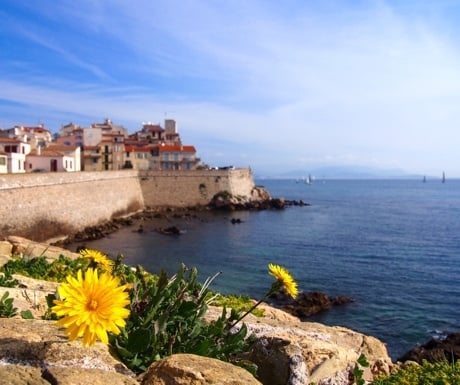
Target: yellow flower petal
(92,305)
(284,278)
(102,261)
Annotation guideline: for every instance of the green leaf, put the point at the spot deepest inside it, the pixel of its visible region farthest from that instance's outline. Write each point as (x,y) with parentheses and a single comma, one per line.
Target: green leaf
(139,340)
(27,314)
(363,361)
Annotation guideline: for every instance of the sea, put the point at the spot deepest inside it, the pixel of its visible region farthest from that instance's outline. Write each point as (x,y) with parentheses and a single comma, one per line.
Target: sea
(391,245)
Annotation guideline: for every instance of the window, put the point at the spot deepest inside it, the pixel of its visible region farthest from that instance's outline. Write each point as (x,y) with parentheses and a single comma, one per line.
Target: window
(2,161)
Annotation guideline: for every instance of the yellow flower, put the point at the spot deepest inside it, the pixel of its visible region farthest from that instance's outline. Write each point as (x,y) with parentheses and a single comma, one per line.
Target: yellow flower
(91,306)
(284,279)
(99,258)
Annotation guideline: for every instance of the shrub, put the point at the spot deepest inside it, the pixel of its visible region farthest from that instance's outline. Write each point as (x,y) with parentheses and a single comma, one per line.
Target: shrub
(40,268)
(167,316)
(437,373)
(6,280)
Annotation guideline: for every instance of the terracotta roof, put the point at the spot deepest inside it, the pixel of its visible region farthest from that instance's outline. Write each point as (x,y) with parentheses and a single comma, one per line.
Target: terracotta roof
(139,148)
(45,152)
(60,147)
(177,148)
(35,129)
(10,140)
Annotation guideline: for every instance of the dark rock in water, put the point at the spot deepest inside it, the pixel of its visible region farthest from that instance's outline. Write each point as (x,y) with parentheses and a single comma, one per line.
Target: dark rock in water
(446,349)
(296,203)
(172,230)
(308,303)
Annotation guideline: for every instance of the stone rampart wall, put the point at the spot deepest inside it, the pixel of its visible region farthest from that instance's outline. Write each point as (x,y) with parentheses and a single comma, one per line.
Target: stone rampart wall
(45,205)
(192,188)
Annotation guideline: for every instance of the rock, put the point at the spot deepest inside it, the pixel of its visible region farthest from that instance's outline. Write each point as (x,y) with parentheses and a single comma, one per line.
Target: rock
(6,249)
(296,203)
(260,199)
(435,350)
(21,375)
(39,349)
(26,248)
(30,295)
(287,351)
(329,352)
(172,230)
(279,362)
(308,303)
(189,369)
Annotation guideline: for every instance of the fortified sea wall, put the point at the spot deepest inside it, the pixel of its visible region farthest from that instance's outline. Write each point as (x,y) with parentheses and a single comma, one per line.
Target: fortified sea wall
(192,188)
(46,205)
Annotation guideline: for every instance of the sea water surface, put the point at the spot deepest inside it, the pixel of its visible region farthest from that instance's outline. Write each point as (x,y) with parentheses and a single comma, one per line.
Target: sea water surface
(391,245)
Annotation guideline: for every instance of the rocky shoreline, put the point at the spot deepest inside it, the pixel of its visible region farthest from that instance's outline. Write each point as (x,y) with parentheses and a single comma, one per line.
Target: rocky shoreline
(220,203)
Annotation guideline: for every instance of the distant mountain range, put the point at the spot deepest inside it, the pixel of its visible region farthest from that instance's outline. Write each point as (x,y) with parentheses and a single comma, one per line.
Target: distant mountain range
(345,172)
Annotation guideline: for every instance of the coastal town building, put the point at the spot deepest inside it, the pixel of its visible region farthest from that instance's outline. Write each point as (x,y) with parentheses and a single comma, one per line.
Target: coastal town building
(33,135)
(103,146)
(54,158)
(15,151)
(177,157)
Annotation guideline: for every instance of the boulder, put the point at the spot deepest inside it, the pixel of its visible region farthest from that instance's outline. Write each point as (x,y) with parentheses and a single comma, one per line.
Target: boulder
(308,303)
(307,352)
(188,369)
(436,349)
(6,249)
(23,247)
(39,350)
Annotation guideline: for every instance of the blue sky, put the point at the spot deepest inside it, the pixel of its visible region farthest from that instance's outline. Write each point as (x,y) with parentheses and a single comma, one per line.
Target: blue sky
(291,85)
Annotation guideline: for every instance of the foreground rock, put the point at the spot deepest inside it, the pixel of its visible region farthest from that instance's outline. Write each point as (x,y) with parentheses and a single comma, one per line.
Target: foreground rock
(287,351)
(185,369)
(446,349)
(38,350)
(291,352)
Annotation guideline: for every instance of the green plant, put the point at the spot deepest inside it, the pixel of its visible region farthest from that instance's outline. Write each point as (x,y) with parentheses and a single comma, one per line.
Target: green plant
(358,369)
(40,268)
(428,373)
(222,194)
(6,280)
(241,303)
(167,316)
(7,309)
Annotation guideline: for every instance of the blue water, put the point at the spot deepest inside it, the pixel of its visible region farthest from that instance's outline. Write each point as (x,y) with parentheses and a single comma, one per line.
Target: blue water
(394,246)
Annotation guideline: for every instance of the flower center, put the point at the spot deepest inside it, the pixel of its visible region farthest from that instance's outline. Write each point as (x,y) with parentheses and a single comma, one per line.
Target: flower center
(92,305)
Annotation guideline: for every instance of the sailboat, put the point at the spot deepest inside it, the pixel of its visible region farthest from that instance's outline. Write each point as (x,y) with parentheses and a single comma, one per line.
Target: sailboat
(443,177)
(424,179)
(309,180)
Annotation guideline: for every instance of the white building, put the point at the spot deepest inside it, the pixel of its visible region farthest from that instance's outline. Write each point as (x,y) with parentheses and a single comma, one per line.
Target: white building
(16,151)
(54,158)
